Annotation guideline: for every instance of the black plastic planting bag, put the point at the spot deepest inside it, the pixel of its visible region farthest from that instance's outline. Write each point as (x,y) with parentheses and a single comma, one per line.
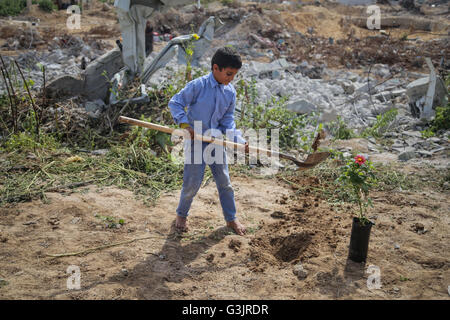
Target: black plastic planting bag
(359,241)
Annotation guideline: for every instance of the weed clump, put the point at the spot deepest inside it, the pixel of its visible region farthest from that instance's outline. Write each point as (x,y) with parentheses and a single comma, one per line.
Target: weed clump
(46,5)
(381,125)
(340,131)
(12,7)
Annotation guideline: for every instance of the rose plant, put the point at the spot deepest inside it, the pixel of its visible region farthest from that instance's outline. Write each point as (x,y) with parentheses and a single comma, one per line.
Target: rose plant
(358,176)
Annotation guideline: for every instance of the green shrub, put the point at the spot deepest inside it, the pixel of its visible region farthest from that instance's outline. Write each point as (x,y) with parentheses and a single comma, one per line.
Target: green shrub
(46,5)
(442,119)
(340,131)
(381,125)
(12,7)
(273,114)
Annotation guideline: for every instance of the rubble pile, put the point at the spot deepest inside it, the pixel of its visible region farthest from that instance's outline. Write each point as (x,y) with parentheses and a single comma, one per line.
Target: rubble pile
(23,37)
(65,55)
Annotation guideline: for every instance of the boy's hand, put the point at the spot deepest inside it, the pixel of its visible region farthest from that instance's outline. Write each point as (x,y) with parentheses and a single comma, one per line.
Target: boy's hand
(188,128)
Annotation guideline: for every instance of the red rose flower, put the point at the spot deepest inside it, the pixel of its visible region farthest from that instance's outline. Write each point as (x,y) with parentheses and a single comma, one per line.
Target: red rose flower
(360,159)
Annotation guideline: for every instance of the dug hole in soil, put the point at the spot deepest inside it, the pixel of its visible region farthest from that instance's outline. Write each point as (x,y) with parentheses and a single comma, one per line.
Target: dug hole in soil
(285,233)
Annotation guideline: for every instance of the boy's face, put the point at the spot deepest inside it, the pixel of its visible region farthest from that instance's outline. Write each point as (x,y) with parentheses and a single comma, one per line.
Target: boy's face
(225,76)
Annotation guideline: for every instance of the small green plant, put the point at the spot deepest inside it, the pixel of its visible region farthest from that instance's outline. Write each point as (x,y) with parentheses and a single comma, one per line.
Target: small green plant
(381,125)
(440,122)
(111,221)
(427,133)
(358,176)
(3,282)
(442,119)
(340,131)
(46,5)
(11,7)
(402,278)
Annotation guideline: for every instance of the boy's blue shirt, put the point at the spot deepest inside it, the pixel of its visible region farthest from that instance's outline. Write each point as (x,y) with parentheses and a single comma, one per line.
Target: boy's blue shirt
(207,101)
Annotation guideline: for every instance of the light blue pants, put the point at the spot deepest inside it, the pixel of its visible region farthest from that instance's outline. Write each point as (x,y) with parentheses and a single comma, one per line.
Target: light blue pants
(193,177)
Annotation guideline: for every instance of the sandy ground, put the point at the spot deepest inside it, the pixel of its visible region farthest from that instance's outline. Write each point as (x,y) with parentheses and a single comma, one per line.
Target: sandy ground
(211,262)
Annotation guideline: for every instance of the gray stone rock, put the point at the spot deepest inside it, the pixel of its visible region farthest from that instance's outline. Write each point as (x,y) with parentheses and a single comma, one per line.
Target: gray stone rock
(276,74)
(349,87)
(300,272)
(257,68)
(64,86)
(398,93)
(435,140)
(100,152)
(411,141)
(398,144)
(75,220)
(302,107)
(95,108)
(438,150)
(353,77)
(404,149)
(425,153)
(365,88)
(383,96)
(415,134)
(405,156)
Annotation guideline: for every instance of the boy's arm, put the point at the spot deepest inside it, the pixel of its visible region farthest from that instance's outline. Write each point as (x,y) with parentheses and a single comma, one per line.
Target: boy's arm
(227,123)
(178,103)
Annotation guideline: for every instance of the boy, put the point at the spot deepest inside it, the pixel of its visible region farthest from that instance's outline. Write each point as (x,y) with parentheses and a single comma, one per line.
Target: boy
(210,101)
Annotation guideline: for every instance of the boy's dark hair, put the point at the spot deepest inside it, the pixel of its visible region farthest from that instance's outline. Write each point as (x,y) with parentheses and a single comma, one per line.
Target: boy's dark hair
(226,57)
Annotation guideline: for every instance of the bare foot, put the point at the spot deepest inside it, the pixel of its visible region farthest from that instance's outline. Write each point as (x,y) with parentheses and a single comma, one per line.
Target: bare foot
(181,224)
(237,227)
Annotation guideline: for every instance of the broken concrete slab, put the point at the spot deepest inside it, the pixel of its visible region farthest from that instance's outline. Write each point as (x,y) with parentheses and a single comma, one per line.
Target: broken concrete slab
(99,72)
(94,81)
(403,149)
(424,153)
(259,68)
(414,134)
(368,87)
(398,93)
(417,91)
(438,150)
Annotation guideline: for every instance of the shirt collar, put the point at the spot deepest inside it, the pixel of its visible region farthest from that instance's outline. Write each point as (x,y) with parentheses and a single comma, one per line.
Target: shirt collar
(213,81)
